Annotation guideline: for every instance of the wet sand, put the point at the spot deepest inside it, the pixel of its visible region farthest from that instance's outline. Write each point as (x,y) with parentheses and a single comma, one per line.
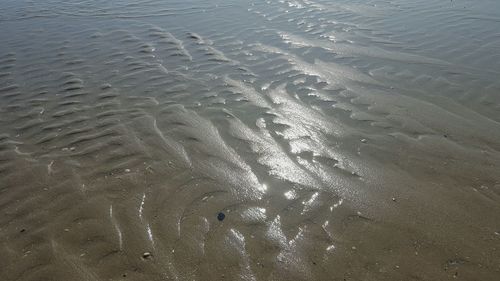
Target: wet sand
(342,140)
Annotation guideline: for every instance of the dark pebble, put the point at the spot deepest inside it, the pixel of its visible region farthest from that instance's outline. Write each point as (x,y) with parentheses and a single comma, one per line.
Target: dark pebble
(23,230)
(221,216)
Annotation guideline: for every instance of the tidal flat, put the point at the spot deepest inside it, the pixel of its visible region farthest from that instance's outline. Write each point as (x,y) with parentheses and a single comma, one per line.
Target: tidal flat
(250,140)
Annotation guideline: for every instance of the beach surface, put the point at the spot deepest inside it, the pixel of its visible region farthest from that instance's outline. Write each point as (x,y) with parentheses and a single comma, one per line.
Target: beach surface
(250,140)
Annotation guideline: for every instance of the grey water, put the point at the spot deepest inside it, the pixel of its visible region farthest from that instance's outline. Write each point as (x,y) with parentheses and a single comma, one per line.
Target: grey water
(341,140)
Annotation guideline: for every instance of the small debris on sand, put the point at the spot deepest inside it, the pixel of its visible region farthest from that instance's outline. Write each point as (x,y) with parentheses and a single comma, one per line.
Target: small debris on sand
(221,216)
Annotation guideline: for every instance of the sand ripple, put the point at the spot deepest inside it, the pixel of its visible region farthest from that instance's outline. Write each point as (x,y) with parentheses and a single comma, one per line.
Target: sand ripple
(342,140)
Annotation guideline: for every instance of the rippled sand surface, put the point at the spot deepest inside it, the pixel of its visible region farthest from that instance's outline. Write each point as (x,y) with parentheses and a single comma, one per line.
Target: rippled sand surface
(343,140)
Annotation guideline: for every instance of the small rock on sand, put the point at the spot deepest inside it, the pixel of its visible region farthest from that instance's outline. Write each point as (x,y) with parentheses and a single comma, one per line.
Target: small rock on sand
(221,216)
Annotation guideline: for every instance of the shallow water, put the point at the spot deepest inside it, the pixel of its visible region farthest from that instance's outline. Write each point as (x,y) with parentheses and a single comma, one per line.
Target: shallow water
(343,140)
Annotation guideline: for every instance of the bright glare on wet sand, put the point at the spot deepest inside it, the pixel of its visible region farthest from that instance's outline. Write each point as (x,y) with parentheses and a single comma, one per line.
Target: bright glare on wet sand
(250,140)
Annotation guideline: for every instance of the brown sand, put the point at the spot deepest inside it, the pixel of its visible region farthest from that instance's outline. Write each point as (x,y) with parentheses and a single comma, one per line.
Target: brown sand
(343,140)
